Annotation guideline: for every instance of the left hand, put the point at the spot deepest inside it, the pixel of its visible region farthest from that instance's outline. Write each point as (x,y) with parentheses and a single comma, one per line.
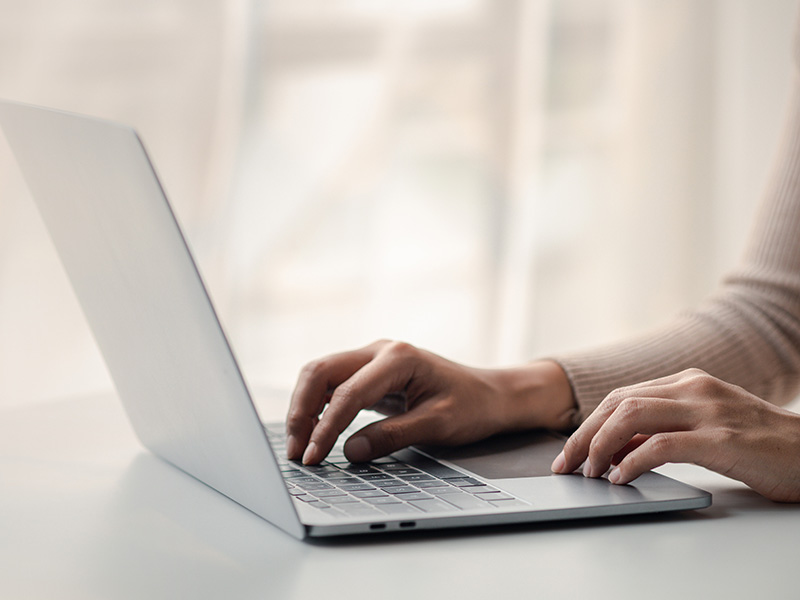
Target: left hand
(690,417)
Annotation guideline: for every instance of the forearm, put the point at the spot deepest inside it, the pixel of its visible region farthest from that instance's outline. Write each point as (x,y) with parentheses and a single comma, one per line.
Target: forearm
(747,334)
(732,347)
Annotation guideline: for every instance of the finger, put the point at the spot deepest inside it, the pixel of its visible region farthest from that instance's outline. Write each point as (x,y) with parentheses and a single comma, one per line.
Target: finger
(576,449)
(659,449)
(417,426)
(634,416)
(635,442)
(313,392)
(388,372)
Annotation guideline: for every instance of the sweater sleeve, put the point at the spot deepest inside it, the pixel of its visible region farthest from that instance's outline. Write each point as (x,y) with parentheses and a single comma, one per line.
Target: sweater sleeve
(748,333)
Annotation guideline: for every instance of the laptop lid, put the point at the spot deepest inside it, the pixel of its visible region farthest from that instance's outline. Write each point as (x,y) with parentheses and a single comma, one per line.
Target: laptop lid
(146,304)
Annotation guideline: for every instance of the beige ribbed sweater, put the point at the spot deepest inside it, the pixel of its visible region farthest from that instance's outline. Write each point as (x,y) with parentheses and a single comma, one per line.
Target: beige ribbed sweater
(748,333)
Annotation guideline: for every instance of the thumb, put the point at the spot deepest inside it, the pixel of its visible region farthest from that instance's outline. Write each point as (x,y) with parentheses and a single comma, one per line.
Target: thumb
(388,435)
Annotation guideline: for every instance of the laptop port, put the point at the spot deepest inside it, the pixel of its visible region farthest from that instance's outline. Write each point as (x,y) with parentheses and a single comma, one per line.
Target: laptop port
(408,524)
(378,526)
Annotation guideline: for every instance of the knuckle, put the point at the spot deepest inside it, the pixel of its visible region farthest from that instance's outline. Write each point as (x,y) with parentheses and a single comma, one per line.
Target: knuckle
(702,384)
(661,445)
(378,345)
(296,420)
(400,350)
(693,372)
(596,445)
(331,427)
(572,445)
(599,446)
(345,394)
(321,432)
(614,398)
(629,408)
(314,369)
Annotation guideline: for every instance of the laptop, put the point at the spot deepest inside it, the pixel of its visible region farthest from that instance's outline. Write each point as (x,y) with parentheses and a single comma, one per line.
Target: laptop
(179,382)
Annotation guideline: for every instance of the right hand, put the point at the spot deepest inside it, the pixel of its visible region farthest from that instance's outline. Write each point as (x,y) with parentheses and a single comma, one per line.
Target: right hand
(445,403)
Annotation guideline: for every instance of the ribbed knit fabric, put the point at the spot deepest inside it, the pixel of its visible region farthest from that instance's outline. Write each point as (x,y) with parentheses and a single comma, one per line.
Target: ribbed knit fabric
(748,333)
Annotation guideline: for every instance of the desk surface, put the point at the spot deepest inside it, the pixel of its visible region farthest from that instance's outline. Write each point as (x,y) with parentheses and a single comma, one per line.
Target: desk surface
(86,512)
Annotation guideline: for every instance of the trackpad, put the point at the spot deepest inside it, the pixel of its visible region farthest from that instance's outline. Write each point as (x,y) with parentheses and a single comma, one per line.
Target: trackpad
(526,454)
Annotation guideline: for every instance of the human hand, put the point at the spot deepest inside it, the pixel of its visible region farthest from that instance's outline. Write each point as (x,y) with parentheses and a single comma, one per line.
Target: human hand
(445,403)
(689,417)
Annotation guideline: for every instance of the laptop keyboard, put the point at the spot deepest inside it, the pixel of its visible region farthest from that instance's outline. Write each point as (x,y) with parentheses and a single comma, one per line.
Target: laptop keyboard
(406,483)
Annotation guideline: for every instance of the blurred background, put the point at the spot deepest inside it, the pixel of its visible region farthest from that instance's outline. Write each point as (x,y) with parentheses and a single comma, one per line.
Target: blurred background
(492,180)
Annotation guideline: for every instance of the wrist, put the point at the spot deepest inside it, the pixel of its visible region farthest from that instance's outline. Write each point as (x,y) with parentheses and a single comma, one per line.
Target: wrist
(536,395)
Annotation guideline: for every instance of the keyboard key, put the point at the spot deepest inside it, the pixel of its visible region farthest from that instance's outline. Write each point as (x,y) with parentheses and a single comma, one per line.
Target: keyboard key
(376,477)
(417,477)
(383,500)
(360,469)
(357,487)
(492,495)
(393,466)
(439,489)
(327,493)
(369,494)
(320,468)
(477,489)
(404,489)
(432,483)
(344,481)
(314,486)
(342,499)
(464,481)
(305,479)
(400,470)
(337,474)
(392,482)
(405,497)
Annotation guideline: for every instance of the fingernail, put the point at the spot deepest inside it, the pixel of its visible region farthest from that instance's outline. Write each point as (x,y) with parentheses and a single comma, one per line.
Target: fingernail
(614,476)
(292,447)
(587,468)
(358,449)
(559,463)
(310,453)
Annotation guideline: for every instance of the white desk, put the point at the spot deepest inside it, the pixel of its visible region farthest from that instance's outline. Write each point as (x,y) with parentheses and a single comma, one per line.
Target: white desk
(86,513)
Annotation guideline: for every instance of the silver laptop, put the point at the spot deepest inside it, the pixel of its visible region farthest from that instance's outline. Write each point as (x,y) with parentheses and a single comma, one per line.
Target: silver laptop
(178,379)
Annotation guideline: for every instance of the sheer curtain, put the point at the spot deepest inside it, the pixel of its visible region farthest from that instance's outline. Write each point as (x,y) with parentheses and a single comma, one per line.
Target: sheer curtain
(491,180)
